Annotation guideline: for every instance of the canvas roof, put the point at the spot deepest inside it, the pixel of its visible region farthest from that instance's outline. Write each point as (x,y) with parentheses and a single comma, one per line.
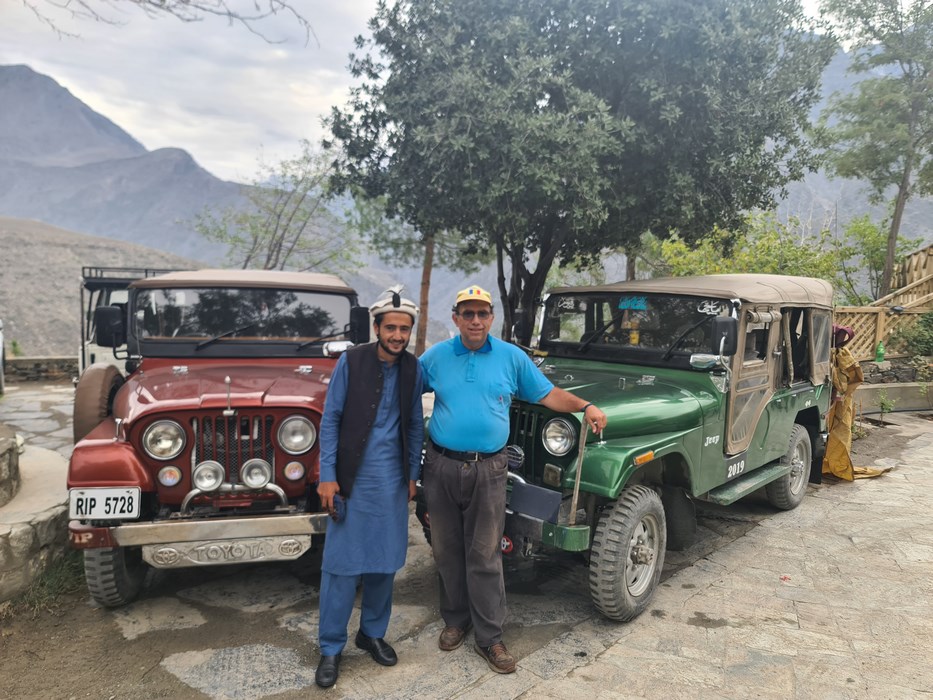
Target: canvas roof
(753,288)
(312,281)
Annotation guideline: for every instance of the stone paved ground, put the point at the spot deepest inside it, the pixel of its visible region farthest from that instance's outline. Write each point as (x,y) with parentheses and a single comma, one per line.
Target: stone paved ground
(831,600)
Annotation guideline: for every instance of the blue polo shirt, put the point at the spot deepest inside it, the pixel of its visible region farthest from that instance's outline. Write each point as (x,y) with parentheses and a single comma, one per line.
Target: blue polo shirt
(473,390)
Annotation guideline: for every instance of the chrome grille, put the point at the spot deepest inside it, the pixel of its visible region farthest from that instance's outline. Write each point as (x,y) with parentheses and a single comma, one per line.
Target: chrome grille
(525,426)
(232,440)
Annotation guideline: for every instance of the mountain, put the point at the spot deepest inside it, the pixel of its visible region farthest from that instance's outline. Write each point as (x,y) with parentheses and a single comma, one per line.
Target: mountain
(99,191)
(66,165)
(41,280)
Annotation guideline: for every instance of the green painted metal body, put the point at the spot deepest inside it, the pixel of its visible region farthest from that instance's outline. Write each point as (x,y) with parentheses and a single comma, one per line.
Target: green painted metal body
(669,424)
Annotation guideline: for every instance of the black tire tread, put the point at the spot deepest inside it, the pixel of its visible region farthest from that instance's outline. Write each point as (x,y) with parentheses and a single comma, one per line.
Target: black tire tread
(778,492)
(112,580)
(610,546)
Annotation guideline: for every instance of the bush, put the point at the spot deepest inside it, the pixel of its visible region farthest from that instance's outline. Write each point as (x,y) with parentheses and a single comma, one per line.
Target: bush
(919,337)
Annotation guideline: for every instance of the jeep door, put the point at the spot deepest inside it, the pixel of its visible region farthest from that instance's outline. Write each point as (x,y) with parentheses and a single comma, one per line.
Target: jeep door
(754,379)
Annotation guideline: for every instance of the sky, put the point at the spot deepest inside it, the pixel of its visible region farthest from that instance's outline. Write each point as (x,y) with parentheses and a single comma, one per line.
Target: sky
(221,93)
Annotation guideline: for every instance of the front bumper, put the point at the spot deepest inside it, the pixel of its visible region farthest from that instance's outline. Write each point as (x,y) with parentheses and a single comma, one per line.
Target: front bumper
(181,543)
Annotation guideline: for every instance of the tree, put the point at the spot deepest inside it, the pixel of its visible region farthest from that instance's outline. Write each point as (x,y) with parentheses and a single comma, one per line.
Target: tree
(884,131)
(287,224)
(862,254)
(185,10)
(549,131)
(761,245)
(396,242)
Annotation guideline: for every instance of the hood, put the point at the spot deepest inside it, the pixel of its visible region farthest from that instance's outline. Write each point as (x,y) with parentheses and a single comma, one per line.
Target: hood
(163,388)
(637,400)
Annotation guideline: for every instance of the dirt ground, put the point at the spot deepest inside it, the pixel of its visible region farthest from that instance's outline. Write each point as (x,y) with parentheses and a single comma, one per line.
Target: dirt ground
(66,651)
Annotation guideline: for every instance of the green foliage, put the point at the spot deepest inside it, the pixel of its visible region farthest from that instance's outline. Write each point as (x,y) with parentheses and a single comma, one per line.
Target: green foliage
(883,132)
(15,349)
(553,131)
(398,243)
(288,224)
(918,338)
(862,252)
(885,404)
(762,245)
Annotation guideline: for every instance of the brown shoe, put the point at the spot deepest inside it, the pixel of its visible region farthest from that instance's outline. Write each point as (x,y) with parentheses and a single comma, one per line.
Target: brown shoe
(451,638)
(498,657)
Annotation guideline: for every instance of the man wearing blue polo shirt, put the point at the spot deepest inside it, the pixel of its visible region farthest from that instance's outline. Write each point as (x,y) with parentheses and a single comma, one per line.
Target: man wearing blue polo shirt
(474,377)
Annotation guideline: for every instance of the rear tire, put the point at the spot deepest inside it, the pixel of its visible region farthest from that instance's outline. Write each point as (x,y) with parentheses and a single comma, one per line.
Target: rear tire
(114,575)
(94,397)
(628,554)
(787,492)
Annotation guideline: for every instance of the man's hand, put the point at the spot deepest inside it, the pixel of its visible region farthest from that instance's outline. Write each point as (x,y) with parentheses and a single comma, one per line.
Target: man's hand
(412,490)
(595,418)
(326,490)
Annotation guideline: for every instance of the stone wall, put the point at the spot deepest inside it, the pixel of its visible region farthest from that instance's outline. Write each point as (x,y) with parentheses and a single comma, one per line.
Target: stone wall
(9,465)
(898,370)
(41,369)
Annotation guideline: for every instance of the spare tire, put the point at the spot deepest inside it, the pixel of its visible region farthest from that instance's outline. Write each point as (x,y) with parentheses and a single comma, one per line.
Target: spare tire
(94,397)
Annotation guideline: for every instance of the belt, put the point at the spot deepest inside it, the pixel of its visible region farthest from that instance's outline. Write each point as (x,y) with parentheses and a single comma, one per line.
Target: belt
(463,456)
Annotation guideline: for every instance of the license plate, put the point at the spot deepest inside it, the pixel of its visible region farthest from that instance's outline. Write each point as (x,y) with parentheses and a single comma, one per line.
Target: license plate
(103,504)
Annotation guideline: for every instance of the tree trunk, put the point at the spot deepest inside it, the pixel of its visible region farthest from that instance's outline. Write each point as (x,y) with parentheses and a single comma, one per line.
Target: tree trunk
(426,268)
(629,264)
(903,194)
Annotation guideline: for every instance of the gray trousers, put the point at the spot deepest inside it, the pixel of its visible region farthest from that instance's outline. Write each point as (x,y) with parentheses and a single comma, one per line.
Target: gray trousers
(466,503)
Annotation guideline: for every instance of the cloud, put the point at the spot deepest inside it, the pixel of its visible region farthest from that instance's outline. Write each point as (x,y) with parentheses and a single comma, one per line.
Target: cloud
(218,91)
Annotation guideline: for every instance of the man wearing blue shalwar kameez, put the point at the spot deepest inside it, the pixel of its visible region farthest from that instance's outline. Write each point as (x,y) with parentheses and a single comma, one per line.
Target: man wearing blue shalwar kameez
(371,436)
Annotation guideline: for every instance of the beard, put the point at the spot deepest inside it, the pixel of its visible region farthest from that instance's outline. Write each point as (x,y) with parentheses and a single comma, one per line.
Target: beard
(395,353)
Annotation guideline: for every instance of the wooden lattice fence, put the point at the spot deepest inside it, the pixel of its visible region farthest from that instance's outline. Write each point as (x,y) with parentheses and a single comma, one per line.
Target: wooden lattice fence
(873,324)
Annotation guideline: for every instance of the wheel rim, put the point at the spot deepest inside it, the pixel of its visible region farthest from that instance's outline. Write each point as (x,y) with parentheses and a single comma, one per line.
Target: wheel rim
(642,556)
(798,468)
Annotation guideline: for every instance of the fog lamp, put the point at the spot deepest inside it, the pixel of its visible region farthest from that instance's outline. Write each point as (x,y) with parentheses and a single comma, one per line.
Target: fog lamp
(208,476)
(256,473)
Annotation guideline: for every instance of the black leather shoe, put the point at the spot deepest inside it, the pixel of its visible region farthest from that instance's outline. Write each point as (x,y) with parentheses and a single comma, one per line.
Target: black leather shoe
(327,671)
(381,652)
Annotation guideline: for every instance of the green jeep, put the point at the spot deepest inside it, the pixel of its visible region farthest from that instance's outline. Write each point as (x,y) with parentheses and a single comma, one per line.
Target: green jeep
(714,387)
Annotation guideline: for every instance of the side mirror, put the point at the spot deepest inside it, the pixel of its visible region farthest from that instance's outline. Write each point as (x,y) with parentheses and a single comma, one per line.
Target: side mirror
(725,336)
(359,325)
(109,326)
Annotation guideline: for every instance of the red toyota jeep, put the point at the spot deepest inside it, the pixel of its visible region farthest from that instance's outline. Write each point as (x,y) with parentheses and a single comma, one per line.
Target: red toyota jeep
(205,451)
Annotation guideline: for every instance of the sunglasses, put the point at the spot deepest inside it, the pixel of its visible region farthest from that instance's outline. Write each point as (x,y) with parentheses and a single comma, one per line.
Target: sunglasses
(468,315)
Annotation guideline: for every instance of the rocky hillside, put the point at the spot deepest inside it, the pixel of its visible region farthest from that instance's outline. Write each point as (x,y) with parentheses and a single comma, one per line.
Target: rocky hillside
(40,276)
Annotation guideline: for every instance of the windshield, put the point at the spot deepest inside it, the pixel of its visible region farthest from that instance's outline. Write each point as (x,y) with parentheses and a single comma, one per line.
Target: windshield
(628,326)
(231,315)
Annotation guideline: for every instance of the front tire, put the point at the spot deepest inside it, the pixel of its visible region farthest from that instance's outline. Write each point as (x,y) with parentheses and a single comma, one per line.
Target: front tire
(628,554)
(114,575)
(787,492)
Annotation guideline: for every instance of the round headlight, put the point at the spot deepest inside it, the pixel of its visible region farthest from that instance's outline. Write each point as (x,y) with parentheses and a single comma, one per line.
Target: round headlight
(297,435)
(164,439)
(558,436)
(294,471)
(256,473)
(208,476)
(169,476)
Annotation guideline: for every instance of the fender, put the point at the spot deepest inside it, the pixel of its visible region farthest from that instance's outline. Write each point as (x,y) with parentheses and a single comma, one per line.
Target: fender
(96,462)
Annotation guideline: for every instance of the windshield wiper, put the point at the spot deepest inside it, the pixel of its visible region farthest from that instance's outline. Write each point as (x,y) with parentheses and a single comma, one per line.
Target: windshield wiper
(680,338)
(329,336)
(598,333)
(225,334)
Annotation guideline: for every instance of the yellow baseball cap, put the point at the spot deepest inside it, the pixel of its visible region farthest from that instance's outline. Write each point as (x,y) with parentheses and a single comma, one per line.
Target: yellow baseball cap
(474,293)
